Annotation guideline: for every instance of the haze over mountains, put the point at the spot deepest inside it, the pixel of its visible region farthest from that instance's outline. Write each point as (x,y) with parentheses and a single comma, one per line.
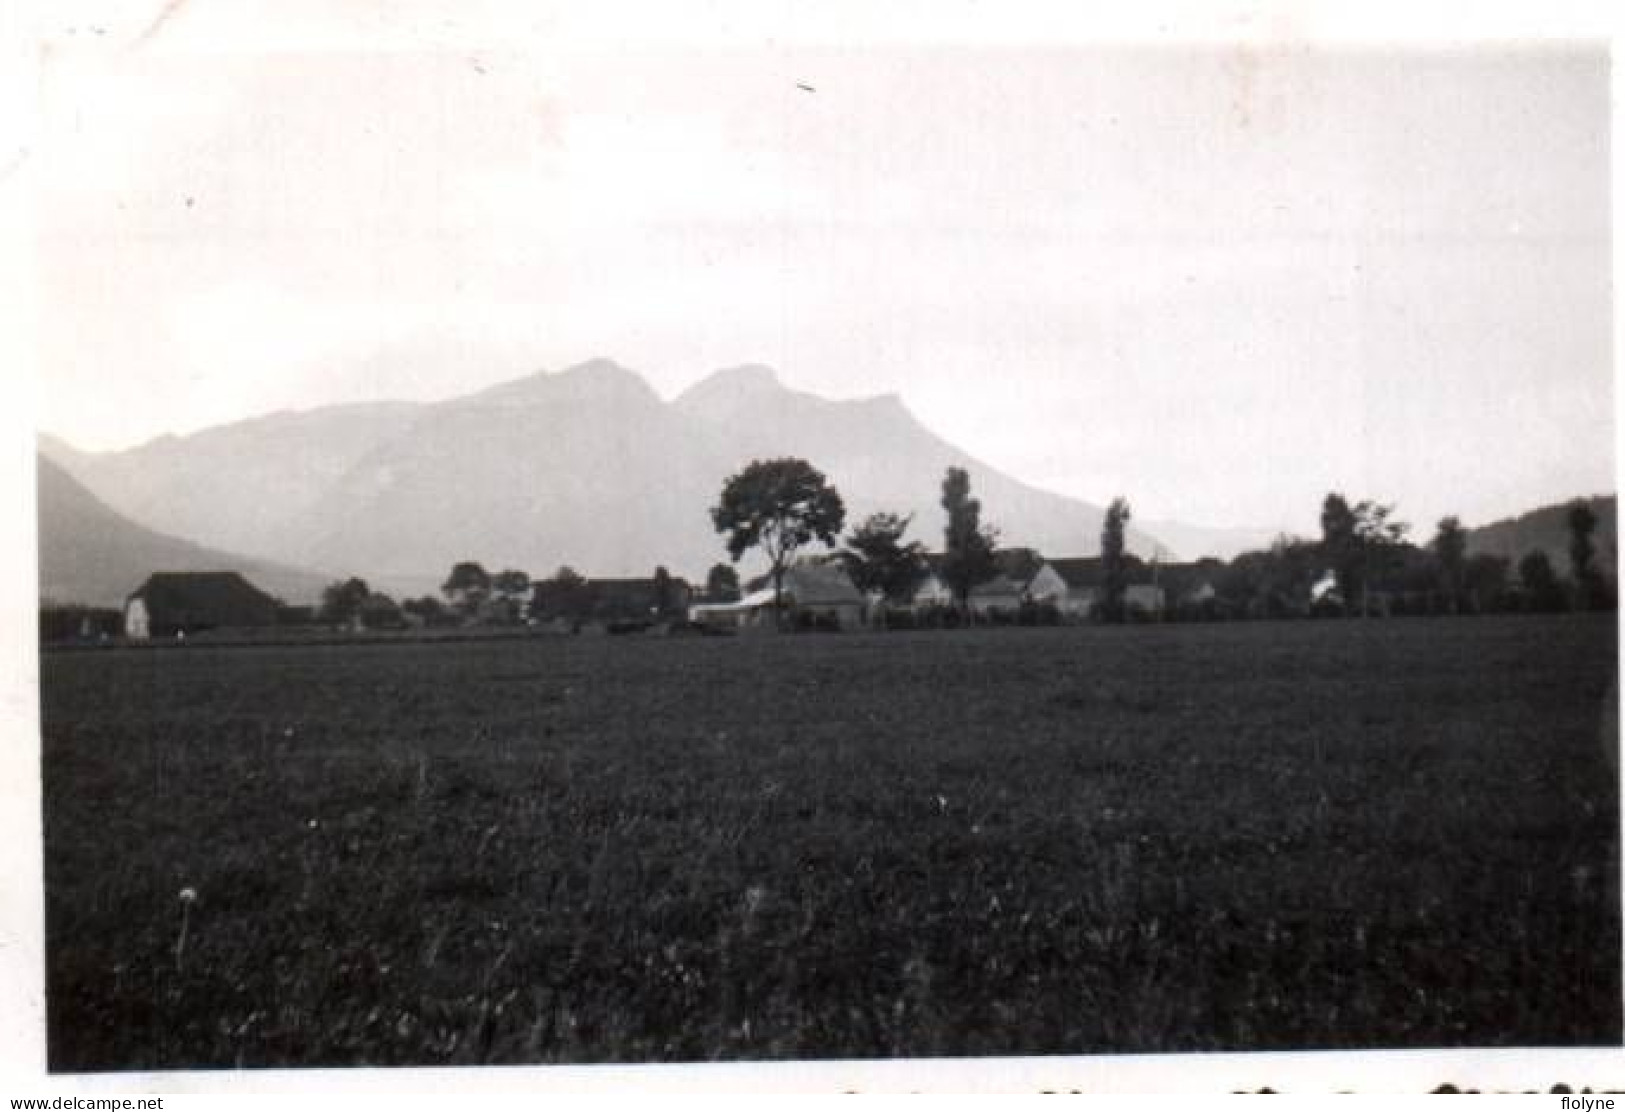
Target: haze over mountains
(587,467)
(89,553)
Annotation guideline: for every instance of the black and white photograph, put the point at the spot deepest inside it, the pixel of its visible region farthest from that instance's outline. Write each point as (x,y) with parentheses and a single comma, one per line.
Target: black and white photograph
(714,534)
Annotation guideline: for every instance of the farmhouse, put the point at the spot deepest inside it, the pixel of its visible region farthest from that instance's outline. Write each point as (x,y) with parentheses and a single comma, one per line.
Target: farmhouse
(1019,570)
(1003,594)
(815,594)
(179,603)
(1084,580)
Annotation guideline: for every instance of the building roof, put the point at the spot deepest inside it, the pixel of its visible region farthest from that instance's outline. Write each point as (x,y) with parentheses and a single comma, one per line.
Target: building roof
(810,584)
(1086,572)
(1018,564)
(1000,586)
(810,581)
(205,597)
(1079,572)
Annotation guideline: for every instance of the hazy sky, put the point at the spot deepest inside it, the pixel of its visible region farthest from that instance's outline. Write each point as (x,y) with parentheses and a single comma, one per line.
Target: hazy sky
(1220,280)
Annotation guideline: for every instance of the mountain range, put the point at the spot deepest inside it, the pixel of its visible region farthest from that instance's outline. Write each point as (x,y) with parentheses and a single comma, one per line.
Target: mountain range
(587,466)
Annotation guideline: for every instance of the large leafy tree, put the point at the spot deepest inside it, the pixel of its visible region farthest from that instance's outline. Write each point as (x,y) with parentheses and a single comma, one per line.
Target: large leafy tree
(877,558)
(511,586)
(967,551)
(428,609)
(342,601)
(1450,549)
(1359,541)
(1485,579)
(666,600)
(1381,538)
(1113,559)
(467,586)
(1273,582)
(1582,521)
(1339,543)
(779,506)
(565,595)
(1539,580)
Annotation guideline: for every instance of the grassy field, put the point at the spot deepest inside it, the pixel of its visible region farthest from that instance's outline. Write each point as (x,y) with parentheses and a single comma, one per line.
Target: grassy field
(1242,836)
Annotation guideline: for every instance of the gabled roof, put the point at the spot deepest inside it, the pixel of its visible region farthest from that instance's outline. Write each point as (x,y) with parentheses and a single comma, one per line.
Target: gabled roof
(811,581)
(212,597)
(812,584)
(1000,586)
(756,600)
(1018,564)
(1087,572)
(1080,572)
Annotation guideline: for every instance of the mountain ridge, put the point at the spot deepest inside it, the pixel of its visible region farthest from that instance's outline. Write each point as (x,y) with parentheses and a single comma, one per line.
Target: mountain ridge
(586,466)
(1546,528)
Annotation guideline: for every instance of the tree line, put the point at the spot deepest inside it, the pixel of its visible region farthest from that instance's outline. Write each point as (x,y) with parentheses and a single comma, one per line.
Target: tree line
(1362,563)
(781,505)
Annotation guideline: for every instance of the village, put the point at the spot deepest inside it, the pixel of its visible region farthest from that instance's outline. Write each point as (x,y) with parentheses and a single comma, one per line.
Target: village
(818,594)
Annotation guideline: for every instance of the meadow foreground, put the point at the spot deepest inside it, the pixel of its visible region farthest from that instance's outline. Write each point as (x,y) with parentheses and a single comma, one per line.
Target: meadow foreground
(1243,836)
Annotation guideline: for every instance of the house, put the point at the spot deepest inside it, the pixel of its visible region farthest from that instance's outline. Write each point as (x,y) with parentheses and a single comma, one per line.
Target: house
(1073,584)
(932,590)
(816,594)
(1047,587)
(753,611)
(1003,594)
(1084,579)
(1324,592)
(177,604)
(1147,600)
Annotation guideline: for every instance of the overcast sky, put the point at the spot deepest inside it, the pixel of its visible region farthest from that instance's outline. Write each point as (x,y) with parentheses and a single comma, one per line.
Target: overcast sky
(1220,280)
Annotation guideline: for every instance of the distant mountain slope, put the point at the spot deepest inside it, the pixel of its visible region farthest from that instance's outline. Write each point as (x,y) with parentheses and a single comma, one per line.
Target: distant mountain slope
(243,487)
(1548,528)
(882,458)
(586,466)
(1194,542)
(89,553)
